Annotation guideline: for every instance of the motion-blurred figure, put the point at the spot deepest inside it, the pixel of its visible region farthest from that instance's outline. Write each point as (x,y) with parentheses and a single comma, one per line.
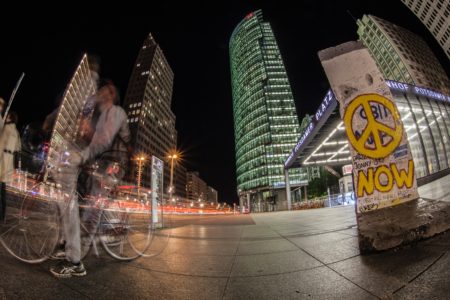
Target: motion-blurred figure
(112,135)
(109,143)
(9,145)
(34,148)
(2,106)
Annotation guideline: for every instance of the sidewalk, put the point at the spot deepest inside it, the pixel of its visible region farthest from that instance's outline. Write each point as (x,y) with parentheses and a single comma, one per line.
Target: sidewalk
(283,255)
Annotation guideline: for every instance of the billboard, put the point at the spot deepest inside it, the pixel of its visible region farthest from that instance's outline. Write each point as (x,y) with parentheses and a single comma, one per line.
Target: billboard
(383,168)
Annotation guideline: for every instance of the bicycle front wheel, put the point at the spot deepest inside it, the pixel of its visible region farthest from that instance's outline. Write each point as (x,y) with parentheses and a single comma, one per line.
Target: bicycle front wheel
(29,230)
(125,234)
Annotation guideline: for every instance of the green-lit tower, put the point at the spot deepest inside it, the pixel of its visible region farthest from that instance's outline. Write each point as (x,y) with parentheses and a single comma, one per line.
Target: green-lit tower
(266,125)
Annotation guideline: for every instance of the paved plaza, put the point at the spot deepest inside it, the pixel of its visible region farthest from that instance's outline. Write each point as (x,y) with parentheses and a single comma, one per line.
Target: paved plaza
(283,255)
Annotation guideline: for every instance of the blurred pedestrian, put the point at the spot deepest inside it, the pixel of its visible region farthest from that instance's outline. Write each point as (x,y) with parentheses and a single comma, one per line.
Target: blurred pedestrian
(9,145)
(109,144)
(2,106)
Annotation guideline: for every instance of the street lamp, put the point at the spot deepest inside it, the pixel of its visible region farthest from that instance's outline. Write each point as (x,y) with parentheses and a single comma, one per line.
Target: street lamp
(173,157)
(140,161)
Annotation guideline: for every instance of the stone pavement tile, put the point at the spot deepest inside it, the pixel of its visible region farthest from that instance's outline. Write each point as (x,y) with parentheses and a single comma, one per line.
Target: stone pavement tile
(208,232)
(438,189)
(119,280)
(385,272)
(329,247)
(350,231)
(265,246)
(265,264)
(201,247)
(432,284)
(258,232)
(198,265)
(319,283)
(23,281)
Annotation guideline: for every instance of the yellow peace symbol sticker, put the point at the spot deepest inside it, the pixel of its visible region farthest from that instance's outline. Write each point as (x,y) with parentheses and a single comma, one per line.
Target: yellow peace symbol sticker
(375,130)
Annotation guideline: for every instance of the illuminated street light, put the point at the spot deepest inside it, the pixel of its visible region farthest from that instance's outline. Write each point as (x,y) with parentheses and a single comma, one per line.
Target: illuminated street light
(174,156)
(140,161)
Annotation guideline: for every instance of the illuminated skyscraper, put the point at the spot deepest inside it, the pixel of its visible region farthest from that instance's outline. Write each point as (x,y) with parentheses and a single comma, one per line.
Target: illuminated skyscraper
(148,105)
(435,15)
(402,55)
(266,126)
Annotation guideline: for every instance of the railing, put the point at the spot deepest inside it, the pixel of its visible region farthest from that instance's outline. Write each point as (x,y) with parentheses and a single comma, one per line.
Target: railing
(326,201)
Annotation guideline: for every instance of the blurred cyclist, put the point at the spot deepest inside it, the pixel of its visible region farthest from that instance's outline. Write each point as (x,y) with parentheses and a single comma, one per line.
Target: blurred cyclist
(111,137)
(2,106)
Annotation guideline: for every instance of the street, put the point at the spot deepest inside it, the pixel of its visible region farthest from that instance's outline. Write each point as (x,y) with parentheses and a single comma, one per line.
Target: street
(301,254)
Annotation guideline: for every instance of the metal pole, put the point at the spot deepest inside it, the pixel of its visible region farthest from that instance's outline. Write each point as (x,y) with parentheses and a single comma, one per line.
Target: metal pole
(329,197)
(241,203)
(139,178)
(288,189)
(306,192)
(171,179)
(13,94)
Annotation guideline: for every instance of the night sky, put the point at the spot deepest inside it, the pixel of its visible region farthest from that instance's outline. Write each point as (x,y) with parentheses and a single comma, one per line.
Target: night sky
(194,37)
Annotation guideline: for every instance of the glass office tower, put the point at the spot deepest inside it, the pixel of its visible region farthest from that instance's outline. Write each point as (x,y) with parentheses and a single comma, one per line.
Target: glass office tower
(435,15)
(265,120)
(402,55)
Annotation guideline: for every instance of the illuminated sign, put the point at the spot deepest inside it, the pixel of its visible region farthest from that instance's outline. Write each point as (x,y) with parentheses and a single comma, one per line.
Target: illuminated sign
(291,182)
(404,87)
(347,169)
(326,107)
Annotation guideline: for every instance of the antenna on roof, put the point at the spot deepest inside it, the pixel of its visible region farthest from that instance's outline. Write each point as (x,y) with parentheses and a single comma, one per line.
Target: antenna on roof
(348,11)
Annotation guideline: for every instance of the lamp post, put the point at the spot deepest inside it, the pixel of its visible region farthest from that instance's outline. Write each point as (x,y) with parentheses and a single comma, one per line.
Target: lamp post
(172,158)
(140,160)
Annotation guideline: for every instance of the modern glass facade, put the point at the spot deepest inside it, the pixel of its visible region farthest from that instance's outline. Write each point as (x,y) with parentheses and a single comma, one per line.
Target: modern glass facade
(435,15)
(265,120)
(402,55)
(425,118)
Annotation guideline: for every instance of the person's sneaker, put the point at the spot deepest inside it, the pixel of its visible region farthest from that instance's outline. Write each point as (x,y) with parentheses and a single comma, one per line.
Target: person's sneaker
(68,269)
(58,255)
(60,252)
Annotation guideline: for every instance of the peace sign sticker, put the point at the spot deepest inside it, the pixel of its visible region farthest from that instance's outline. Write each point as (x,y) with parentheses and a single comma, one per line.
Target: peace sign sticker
(373,125)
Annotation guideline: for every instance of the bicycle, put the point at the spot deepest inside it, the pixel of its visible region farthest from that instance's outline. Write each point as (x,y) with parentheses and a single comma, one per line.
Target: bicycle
(31,228)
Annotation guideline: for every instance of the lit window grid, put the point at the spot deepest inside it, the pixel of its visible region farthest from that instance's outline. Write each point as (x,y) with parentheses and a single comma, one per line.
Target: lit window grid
(250,112)
(392,48)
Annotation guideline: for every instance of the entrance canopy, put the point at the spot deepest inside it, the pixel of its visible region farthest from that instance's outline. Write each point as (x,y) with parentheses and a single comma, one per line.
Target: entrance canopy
(324,142)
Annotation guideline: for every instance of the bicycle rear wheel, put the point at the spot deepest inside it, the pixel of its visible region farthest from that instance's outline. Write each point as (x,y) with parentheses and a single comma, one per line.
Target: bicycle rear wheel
(30,228)
(125,233)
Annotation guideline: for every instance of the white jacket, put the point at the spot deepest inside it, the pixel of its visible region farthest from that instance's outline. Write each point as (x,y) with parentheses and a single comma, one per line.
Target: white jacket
(9,143)
(111,133)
